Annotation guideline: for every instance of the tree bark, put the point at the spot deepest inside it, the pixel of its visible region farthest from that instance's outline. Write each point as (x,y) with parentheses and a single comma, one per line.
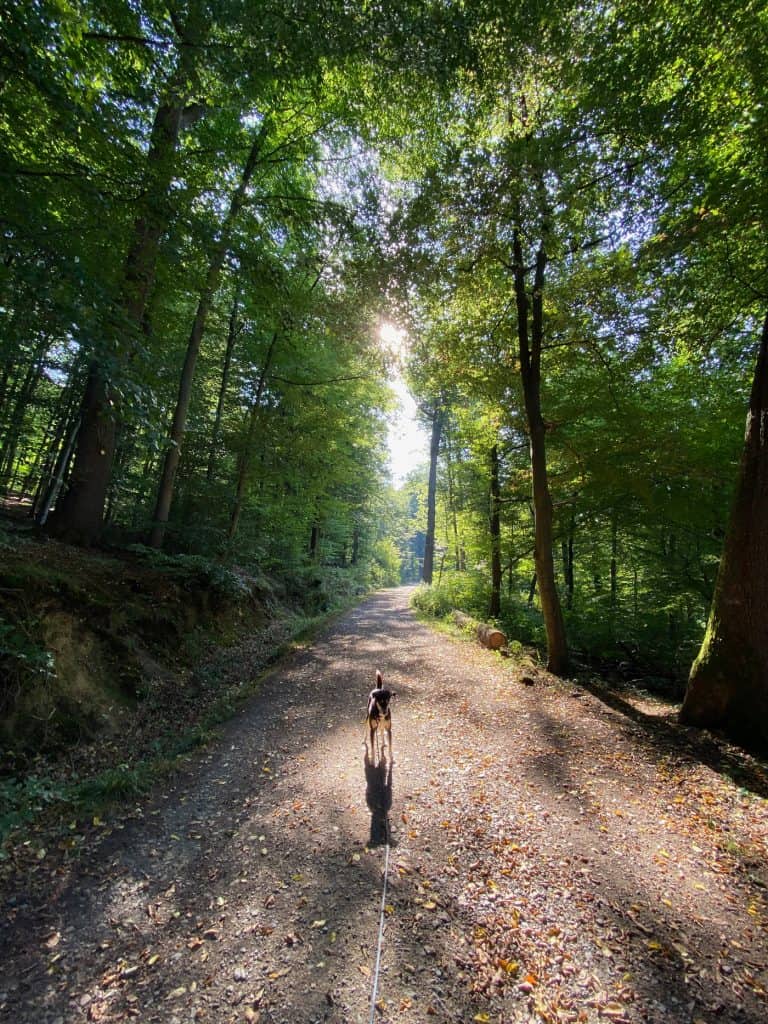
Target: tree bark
(569,577)
(434,450)
(79,515)
(232,333)
(489,636)
(458,560)
(530,343)
(314,541)
(179,424)
(22,399)
(494,608)
(244,464)
(728,684)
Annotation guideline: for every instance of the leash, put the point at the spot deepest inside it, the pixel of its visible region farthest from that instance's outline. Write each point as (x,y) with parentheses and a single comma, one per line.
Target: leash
(379,943)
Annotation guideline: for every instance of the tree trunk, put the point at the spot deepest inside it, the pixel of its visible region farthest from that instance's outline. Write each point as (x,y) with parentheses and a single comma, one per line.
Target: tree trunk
(79,516)
(728,684)
(60,471)
(232,333)
(452,503)
(179,424)
(494,608)
(569,578)
(434,449)
(314,541)
(22,399)
(530,343)
(244,464)
(614,566)
(488,635)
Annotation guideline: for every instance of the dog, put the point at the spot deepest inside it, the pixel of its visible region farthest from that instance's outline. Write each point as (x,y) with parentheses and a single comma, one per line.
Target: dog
(379,717)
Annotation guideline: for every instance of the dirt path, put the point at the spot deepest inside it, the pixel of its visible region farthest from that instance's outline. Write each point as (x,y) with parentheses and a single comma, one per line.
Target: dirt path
(552,860)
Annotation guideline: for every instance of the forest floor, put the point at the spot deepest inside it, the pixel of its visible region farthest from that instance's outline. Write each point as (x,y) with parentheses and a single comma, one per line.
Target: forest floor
(554,857)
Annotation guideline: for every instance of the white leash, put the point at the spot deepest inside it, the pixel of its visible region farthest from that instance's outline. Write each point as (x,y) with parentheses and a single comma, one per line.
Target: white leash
(375,988)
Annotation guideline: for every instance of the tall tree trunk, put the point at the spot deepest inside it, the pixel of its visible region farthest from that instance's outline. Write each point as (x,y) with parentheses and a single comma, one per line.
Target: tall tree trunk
(434,450)
(314,541)
(569,576)
(65,417)
(452,503)
(178,426)
(530,343)
(728,684)
(59,472)
(232,333)
(614,565)
(79,515)
(22,399)
(244,463)
(494,609)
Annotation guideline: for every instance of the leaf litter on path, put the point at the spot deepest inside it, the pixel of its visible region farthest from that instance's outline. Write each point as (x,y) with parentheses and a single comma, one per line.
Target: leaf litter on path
(552,860)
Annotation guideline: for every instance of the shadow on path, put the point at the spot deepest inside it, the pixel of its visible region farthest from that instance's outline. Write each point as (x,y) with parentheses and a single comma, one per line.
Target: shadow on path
(378,796)
(714,752)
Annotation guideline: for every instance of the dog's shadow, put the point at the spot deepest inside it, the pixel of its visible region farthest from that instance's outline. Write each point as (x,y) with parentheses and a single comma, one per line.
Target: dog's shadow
(378,797)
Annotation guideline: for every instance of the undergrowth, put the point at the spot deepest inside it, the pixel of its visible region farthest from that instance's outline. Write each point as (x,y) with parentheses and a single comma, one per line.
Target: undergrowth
(38,805)
(656,647)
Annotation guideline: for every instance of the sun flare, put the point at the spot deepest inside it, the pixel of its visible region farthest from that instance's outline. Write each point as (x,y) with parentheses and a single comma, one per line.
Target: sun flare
(392,338)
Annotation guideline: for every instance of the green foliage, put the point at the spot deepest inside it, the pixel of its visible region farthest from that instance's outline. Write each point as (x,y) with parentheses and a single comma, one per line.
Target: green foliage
(17,648)
(196,570)
(402,149)
(466,592)
(21,800)
(386,566)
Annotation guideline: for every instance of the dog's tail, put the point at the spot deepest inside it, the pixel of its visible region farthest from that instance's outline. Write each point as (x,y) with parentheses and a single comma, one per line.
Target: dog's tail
(379,679)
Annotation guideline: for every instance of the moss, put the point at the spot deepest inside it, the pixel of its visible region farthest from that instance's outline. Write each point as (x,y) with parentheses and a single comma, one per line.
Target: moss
(728,689)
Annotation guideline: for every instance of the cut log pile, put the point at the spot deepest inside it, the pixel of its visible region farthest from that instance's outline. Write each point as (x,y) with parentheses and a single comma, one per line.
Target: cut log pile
(489,636)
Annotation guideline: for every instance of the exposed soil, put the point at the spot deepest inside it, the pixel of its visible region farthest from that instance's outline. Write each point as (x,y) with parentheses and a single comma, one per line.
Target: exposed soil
(553,858)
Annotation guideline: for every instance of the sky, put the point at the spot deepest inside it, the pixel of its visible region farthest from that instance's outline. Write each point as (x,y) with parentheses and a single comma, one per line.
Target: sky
(408,441)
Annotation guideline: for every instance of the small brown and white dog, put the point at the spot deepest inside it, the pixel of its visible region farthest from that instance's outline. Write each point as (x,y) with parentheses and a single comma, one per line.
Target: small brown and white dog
(379,714)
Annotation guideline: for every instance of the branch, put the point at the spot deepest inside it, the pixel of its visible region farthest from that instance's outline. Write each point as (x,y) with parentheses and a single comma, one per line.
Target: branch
(109,37)
(321,383)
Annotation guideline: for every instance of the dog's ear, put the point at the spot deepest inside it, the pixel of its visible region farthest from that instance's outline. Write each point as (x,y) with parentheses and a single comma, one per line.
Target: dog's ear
(379,679)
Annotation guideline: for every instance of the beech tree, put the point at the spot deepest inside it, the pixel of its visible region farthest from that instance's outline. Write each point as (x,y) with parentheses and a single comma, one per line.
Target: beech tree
(728,685)
(79,515)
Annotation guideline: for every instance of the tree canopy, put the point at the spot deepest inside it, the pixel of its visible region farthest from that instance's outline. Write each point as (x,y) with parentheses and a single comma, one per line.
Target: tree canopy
(208,211)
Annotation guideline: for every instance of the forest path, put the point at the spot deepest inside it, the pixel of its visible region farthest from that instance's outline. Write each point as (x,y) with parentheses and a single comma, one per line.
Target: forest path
(552,860)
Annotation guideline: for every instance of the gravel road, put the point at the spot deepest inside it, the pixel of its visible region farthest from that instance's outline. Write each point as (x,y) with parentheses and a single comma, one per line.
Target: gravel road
(551,859)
